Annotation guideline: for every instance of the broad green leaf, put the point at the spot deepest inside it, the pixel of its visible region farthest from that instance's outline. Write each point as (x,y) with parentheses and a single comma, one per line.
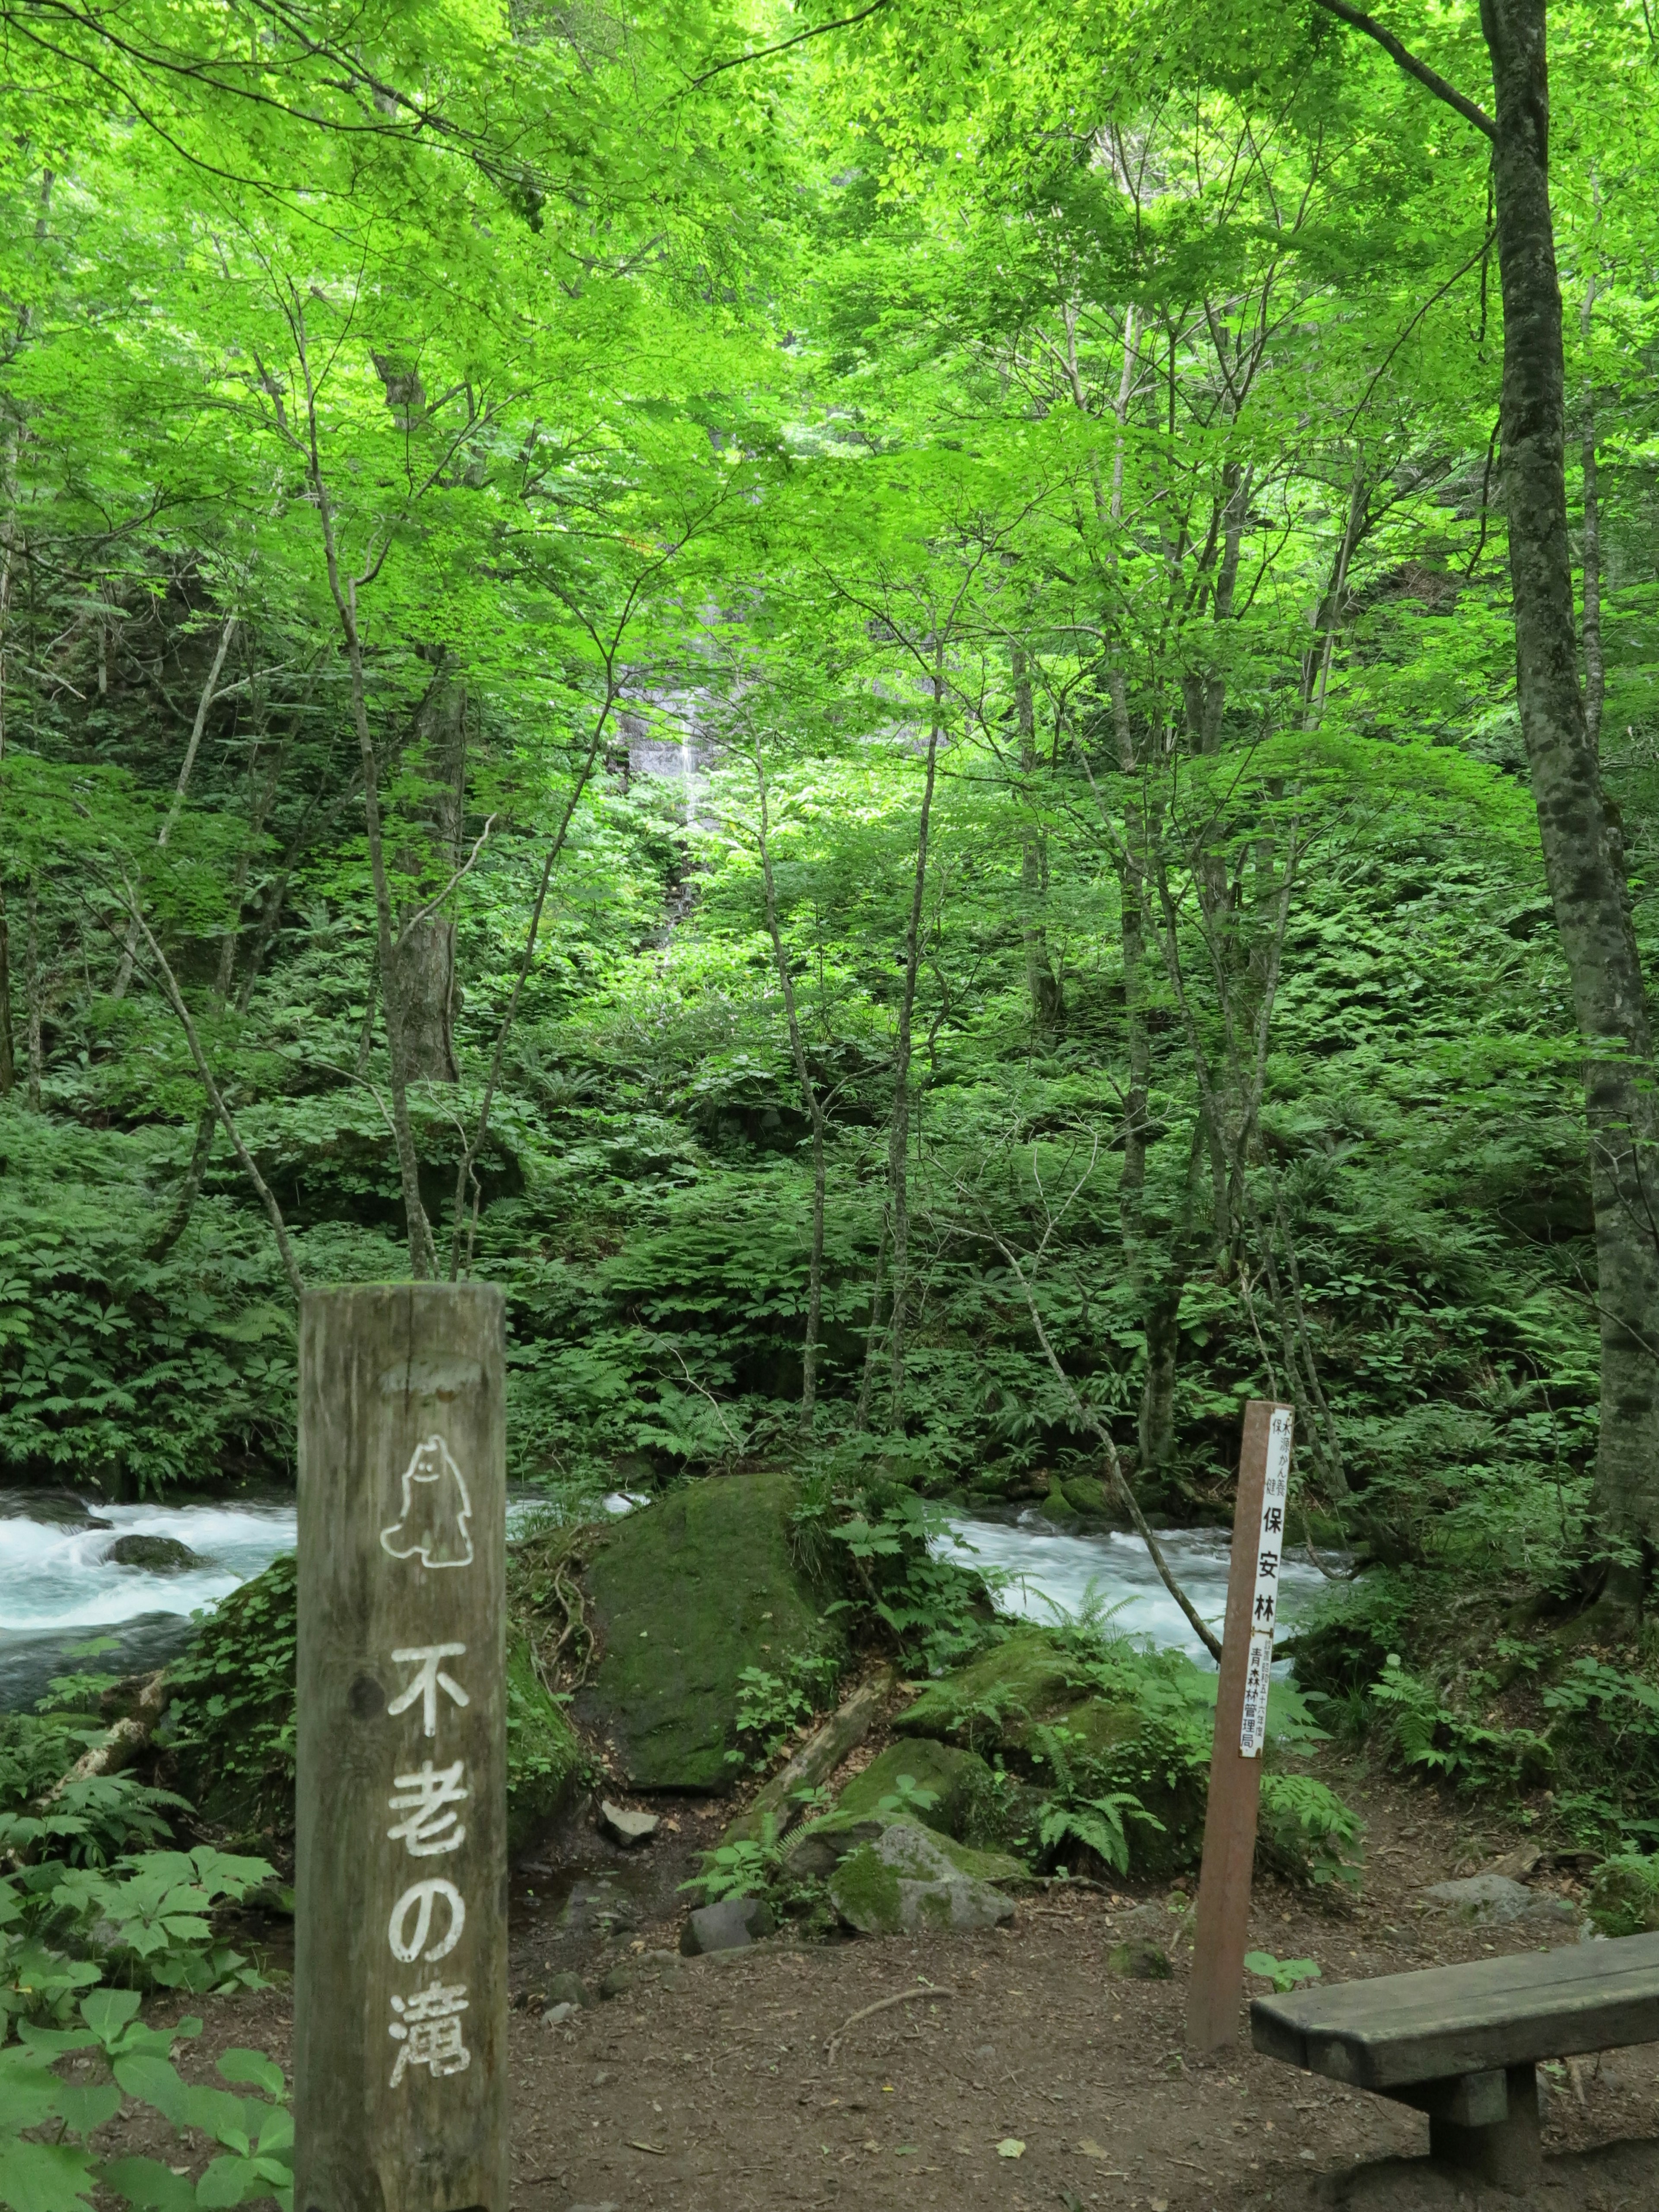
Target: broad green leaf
(86,2107)
(253,2068)
(148,2184)
(37,2177)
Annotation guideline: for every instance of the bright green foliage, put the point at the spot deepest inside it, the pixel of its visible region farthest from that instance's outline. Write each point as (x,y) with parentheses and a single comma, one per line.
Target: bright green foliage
(1062,440)
(1304,1830)
(230,1721)
(256,2133)
(1624,1897)
(1285,1974)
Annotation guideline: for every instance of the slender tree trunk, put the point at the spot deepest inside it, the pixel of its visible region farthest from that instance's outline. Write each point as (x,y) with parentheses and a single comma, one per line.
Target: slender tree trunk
(1583,850)
(1316,664)
(228,630)
(873,1334)
(429,852)
(184,1205)
(34,988)
(1041,988)
(898,1142)
(8,1066)
(809,1364)
(1595,680)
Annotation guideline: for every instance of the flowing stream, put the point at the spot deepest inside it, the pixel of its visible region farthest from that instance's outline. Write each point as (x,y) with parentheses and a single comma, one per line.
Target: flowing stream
(1044,1571)
(58,1590)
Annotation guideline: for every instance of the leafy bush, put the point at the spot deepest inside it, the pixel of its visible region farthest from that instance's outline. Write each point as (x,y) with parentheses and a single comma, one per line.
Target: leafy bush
(255,2133)
(230,1725)
(1306,1833)
(1624,1897)
(1077,1805)
(144,1922)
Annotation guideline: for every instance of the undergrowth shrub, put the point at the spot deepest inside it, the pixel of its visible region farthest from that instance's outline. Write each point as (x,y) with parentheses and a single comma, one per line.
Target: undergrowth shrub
(230,1727)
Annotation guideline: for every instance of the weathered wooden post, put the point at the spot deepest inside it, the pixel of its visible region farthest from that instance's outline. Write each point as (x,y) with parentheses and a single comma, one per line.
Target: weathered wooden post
(1222,1930)
(400,1908)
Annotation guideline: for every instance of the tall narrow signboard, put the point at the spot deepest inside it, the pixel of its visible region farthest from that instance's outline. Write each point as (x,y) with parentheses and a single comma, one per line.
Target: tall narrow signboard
(1222,1931)
(400,1904)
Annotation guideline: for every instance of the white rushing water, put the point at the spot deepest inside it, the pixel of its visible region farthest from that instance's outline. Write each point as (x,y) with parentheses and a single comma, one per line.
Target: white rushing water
(1052,1572)
(56,1575)
(57,1585)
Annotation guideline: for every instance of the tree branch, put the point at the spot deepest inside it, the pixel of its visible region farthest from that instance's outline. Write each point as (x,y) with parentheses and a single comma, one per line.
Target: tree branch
(1357,20)
(764,53)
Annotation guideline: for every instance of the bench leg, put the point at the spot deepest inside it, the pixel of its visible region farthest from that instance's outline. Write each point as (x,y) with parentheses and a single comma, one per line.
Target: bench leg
(1507,2153)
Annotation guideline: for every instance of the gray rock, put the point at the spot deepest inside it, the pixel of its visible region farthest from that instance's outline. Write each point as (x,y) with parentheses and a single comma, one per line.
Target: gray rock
(907,1881)
(568,1989)
(1492,1900)
(556,2015)
(727,1926)
(160,1555)
(596,1908)
(663,1968)
(819,1849)
(61,1506)
(625,1827)
(1152,1923)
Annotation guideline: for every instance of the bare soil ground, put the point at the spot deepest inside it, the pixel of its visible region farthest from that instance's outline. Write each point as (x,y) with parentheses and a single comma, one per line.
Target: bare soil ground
(751,2085)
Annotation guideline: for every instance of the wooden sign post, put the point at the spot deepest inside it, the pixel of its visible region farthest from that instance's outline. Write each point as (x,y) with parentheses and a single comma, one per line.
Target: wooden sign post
(1222,1931)
(400,1906)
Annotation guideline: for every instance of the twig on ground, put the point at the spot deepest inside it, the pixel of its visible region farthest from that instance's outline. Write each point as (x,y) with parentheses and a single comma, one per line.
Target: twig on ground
(884,2004)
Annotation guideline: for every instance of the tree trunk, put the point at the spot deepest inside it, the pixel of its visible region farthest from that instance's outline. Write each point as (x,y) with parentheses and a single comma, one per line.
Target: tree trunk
(33,992)
(809,1360)
(427,856)
(1043,990)
(7,1068)
(898,1141)
(1583,851)
(1595,679)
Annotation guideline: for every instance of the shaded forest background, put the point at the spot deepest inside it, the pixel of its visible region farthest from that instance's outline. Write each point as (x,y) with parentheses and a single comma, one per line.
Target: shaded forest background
(851,719)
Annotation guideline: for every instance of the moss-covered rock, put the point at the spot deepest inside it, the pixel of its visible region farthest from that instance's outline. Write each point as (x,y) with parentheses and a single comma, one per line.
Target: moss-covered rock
(157,1555)
(957,1780)
(685,1595)
(1086,1494)
(546,1766)
(1024,1679)
(911,1879)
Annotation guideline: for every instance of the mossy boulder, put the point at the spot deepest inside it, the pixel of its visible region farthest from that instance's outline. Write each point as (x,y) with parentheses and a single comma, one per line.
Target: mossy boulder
(1010,1693)
(911,1879)
(546,1766)
(1086,1494)
(684,1595)
(1025,1678)
(157,1555)
(958,1780)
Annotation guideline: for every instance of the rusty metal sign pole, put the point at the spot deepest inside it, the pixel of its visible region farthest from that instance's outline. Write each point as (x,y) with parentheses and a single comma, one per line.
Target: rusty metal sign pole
(1221,1934)
(400,1907)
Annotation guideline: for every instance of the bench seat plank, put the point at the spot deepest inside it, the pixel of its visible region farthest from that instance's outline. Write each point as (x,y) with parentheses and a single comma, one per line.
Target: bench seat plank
(1444,2021)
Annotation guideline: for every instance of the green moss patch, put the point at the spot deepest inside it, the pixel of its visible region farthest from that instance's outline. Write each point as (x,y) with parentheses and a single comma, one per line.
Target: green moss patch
(546,1766)
(957,1779)
(685,1595)
(1025,1678)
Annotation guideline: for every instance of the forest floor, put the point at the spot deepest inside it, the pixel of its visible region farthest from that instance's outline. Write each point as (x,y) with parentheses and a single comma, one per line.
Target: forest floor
(742,2082)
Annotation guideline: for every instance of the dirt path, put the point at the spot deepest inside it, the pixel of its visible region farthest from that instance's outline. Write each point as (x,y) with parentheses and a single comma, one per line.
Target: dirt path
(741,2087)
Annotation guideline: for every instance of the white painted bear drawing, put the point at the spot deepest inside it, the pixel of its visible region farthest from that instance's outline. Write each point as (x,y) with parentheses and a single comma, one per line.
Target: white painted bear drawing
(434,1510)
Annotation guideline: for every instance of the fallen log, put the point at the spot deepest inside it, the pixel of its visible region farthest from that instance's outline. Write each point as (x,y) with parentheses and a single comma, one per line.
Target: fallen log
(123,1743)
(817,1759)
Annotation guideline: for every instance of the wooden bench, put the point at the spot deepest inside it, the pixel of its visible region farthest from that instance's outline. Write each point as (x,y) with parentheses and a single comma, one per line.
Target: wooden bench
(1463,2042)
